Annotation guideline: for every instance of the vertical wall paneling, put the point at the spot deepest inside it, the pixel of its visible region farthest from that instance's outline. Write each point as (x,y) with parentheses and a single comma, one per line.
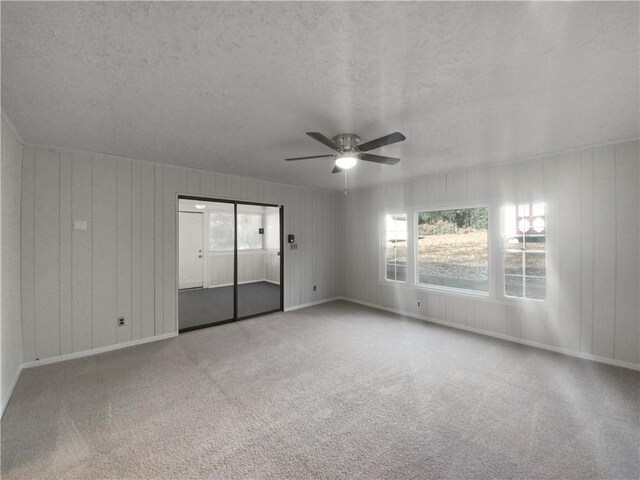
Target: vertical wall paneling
(627,320)
(193,182)
(65,229)
(586,252)
(604,251)
(569,237)
(82,253)
(11,348)
(104,251)
(27,267)
(124,239)
(497,320)
(125,259)
(592,248)
(76,282)
(170,189)
(159,250)
(47,252)
(147,251)
(135,325)
(551,188)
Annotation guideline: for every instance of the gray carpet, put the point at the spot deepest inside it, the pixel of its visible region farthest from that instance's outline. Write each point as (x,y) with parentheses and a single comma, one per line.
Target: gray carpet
(333,391)
(202,306)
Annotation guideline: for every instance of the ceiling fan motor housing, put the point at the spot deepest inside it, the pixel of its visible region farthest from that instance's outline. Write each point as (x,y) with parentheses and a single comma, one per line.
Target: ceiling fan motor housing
(347,141)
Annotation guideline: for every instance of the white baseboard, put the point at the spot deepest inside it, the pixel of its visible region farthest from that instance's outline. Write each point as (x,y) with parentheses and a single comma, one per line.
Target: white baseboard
(5,402)
(571,353)
(241,283)
(95,351)
(311,304)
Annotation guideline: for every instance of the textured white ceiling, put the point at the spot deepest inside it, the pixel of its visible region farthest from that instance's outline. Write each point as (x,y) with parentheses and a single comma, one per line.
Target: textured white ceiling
(232,87)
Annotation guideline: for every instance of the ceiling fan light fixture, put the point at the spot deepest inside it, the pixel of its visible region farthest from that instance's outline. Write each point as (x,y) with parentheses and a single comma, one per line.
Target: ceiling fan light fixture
(346,161)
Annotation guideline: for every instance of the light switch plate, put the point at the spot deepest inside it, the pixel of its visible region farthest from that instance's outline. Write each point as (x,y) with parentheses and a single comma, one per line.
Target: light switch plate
(79,224)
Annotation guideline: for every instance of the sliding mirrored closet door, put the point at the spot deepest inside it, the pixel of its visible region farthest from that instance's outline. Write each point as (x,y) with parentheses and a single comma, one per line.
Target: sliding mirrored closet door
(230,261)
(258,260)
(206,256)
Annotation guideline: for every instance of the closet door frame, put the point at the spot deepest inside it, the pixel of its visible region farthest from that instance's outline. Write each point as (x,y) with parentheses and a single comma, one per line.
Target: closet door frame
(235,257)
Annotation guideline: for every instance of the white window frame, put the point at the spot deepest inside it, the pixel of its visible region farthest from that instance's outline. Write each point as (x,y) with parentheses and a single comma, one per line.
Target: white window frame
(382,240)
(496,251)
(490,255)
(503,247)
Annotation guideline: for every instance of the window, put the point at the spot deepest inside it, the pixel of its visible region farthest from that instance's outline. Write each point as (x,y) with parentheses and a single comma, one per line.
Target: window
(249,236)
(452,248)
(525,258)
(221,231)
(395,247)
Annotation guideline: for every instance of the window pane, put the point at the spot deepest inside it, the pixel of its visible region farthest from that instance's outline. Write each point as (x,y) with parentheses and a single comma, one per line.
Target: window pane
(221,232)
(396,272)
(453,248)
(513,263)
(395,247)
(513,286)
(535,264)
(536,288)
(525,253)
(249,236)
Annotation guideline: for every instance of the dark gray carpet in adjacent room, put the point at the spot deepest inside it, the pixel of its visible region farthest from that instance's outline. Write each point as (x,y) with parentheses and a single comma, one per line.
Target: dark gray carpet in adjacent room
(201,306)
(333,391)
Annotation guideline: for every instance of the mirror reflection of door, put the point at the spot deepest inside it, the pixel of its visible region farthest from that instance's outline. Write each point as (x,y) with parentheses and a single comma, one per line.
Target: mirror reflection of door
(190,253)
(206,263)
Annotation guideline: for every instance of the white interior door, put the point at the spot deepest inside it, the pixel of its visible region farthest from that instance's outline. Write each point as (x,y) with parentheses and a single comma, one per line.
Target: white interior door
(190,250)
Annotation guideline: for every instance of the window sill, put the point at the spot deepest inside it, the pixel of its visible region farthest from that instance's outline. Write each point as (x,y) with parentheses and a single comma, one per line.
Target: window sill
(521,300)
(456,292)
(467,295)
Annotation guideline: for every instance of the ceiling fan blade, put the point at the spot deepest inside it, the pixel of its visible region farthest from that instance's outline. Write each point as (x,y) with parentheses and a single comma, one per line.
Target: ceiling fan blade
(306,158)
(337,169)
(394,137)
(326,141)
(379,159)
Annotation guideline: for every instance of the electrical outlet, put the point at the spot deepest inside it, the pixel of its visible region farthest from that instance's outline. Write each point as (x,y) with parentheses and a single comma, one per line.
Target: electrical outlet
(419,304)
(314,288)
(121,321)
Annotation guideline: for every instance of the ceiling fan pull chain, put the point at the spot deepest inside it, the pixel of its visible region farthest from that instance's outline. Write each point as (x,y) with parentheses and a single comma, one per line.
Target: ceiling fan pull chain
(345,182)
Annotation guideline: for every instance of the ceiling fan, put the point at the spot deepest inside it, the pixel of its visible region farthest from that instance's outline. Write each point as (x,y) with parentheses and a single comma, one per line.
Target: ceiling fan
(350,150)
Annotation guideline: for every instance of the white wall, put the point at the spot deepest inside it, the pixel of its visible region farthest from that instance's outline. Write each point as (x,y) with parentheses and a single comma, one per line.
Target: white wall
(219,267)
(11,334)
(76,283)
(593,249)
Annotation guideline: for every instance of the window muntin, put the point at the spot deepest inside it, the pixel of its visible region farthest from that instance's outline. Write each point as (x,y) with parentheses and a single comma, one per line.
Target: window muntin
(452,248)
(221,231)
(395,247)
(525,258)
